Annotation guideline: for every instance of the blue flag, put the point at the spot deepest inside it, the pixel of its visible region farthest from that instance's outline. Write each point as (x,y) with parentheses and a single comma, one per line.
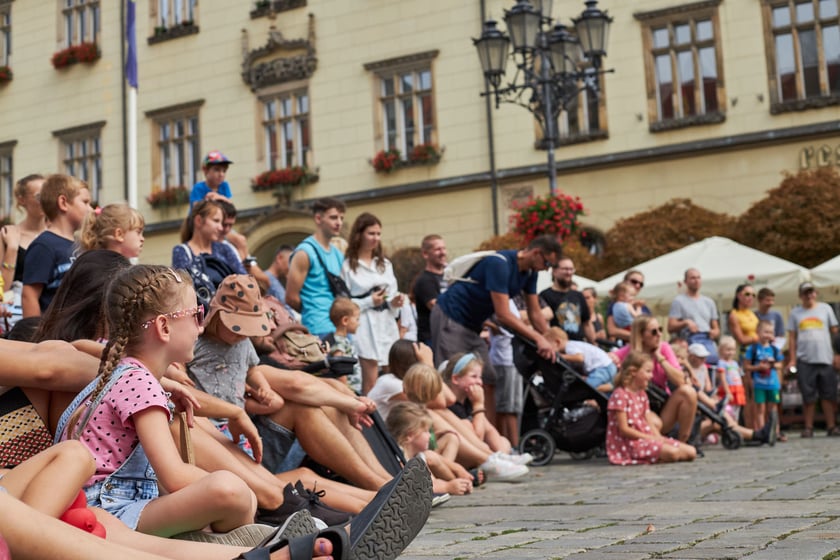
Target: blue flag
(131,38)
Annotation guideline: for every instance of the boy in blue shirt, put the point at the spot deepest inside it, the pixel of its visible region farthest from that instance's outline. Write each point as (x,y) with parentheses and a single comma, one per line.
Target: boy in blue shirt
(761,361)
(214,166)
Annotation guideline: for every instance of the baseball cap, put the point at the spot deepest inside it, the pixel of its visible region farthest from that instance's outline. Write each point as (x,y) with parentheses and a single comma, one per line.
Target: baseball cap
(698,350)
(215,158)
(806,287)
(239,306)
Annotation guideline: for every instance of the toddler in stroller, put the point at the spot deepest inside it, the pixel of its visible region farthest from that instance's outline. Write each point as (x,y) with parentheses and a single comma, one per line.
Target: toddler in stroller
(561,410)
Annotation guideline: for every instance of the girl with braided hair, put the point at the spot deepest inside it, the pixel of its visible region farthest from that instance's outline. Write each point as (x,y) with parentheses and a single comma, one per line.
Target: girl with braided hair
(123,416)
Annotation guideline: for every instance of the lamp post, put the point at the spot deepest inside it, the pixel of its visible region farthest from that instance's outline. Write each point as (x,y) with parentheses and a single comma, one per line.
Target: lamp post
(553,65)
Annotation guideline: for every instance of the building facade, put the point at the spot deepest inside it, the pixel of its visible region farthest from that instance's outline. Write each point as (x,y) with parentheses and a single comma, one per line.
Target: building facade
(710,100)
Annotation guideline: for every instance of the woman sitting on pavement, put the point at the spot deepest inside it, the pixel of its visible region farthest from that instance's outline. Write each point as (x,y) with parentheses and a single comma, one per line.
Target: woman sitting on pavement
(679,410)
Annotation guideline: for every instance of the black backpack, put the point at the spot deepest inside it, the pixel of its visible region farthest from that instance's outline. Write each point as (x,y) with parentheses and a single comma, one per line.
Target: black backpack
(207,272)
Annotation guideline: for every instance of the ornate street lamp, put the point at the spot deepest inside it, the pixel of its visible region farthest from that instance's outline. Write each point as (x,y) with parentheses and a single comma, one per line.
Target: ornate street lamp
(553,65)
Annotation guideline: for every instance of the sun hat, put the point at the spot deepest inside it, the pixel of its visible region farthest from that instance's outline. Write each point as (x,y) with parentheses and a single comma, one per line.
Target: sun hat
(698,350)
(215,158)
(239,306)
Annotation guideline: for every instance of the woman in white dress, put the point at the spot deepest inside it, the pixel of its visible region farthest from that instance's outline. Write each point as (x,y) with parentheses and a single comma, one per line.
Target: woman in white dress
(373,287)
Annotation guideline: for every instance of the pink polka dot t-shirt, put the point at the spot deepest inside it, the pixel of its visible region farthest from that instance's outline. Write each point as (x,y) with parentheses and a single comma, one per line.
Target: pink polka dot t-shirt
(110,434)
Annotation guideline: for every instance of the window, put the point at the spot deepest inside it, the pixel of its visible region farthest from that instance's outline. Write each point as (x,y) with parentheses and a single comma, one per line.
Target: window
(584,115)
(81,21)
(81,155)
(5,34)
(683,65)
(7,179)
(286,129)
(405,102)
(175,12)
(803,46)
(176,160)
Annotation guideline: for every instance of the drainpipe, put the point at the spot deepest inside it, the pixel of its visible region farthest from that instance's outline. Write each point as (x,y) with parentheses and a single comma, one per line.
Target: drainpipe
(122,97)
(488,109)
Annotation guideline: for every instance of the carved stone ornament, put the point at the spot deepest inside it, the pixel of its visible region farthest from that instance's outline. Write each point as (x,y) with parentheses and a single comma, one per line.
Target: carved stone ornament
(280,60)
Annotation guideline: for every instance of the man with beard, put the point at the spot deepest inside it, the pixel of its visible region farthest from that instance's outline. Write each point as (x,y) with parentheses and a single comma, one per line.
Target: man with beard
(428,284)
(565,307)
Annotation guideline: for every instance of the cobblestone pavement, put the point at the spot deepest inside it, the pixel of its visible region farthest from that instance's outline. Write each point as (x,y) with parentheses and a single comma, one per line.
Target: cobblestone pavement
(755,502)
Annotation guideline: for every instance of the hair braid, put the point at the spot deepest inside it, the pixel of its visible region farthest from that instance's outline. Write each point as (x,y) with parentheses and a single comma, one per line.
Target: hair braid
(134,293)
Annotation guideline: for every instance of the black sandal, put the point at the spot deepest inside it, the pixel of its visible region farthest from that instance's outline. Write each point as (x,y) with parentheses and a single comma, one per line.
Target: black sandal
(301,548)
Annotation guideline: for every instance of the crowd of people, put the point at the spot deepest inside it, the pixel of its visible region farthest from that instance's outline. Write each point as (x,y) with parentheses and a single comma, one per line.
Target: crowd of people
(269,384)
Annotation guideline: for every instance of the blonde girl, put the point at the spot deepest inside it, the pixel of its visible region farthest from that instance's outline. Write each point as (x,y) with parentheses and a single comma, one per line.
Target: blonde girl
(456,439)
(15,239)
(633,435)
(463,376)
(116,227)
(153,320)
(410,424)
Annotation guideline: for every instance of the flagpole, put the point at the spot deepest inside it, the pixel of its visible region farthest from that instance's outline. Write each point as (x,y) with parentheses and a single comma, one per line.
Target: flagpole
(131,125)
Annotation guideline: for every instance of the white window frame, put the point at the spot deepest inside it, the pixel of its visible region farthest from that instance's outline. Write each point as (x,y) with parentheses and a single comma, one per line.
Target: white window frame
(286,123)
(81,21)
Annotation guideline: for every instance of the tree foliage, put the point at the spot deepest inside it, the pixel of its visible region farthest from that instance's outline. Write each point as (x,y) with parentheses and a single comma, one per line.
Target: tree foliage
(797,220)
(647,235)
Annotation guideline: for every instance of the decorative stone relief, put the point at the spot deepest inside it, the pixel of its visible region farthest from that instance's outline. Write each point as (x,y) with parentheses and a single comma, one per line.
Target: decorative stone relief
(280,60)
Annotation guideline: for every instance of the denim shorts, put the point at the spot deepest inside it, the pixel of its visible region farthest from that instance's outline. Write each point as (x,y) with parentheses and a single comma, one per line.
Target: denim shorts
(281,450)
(124,498)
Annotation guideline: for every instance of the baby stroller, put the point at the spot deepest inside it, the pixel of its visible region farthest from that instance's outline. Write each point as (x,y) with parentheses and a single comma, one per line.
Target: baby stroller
(728,436)
(554,415)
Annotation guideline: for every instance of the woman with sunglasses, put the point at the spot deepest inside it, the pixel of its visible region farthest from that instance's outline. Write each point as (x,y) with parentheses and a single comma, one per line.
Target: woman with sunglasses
(743,326)
(618,334)
(743,322)
(681,406)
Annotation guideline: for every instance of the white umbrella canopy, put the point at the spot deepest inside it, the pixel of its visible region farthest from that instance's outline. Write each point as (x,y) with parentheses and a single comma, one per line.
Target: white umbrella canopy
(723,264)
(544,281)
(826,276)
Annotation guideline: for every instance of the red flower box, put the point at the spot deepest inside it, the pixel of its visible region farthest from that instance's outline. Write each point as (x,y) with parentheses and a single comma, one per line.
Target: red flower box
(556,215)
(286,177)
(173,196)
(83,52)
(5,74)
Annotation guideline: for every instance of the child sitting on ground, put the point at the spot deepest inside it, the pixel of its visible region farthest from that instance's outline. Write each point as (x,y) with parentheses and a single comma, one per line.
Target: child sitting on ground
(762,360)
(698,370)
(597,364)
(410,424)
(153,321)
(632,438)
(344,314)
(116,227)
(66,202)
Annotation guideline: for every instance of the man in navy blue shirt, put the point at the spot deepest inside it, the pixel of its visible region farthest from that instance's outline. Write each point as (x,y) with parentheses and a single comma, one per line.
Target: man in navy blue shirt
(458,317)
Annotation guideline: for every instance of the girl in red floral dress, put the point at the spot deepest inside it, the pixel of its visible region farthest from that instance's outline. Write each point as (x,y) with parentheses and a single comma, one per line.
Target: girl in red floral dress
(632,435)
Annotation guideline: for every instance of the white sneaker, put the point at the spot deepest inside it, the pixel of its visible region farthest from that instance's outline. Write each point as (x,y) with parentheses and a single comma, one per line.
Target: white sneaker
(497,468)
(517,458)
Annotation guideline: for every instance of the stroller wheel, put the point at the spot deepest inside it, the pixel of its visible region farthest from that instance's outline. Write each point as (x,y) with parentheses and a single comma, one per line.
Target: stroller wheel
(540,445)
(731,439)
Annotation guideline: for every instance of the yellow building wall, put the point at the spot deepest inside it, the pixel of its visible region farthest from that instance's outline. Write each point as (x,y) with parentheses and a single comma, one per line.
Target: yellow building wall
(207,66)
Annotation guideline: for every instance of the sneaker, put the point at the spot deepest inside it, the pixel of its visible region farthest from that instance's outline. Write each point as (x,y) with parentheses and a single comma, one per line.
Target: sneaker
(298,499)
(438,499)
(517,458)
(330,515)
(833,432)
(501,470)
